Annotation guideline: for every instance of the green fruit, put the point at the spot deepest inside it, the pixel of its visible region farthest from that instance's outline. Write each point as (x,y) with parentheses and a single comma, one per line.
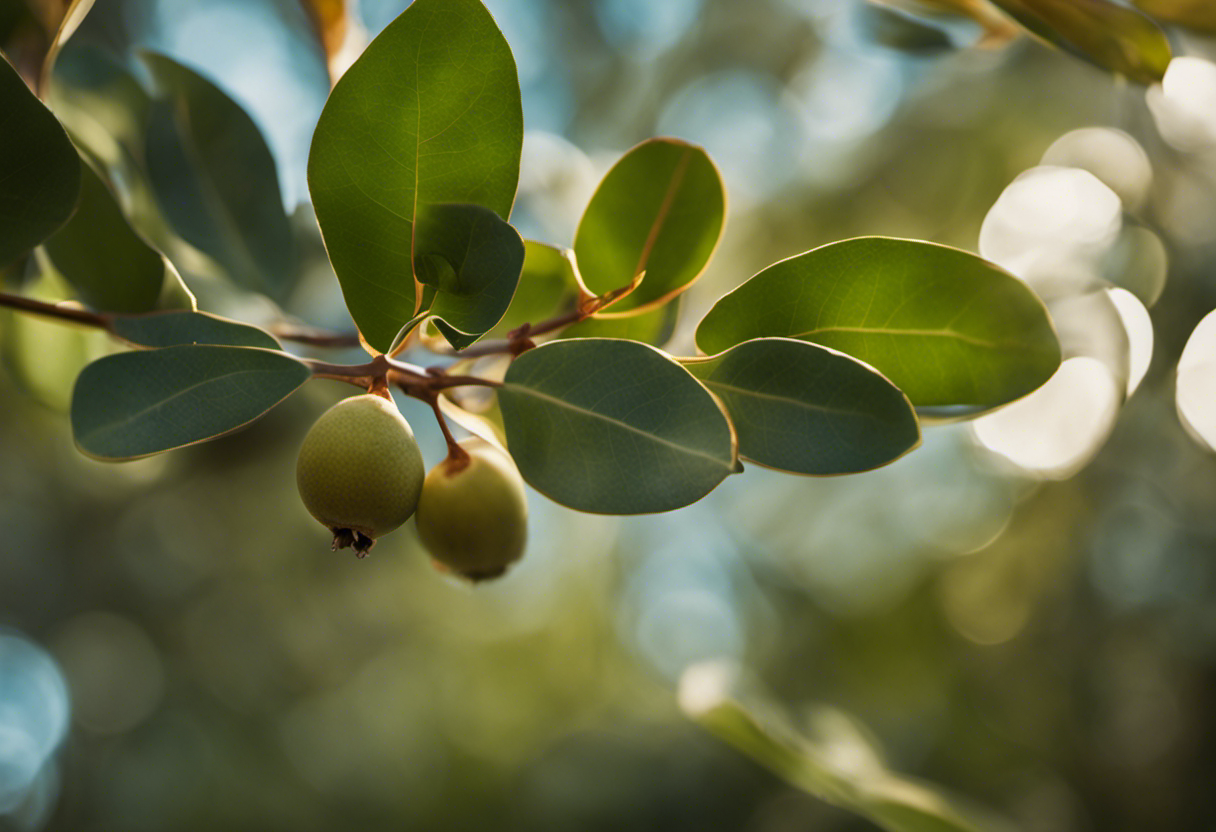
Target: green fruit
(473,514)
(360,471)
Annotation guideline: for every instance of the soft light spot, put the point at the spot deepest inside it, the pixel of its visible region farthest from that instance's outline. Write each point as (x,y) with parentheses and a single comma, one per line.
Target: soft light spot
(1139,328)
(1111,155)
(1184,104)
(1196,391)
(1051,226)
(705,685)
(1056,430)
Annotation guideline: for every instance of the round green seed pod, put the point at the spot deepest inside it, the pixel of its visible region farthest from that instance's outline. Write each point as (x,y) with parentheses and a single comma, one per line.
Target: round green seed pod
(360,470)
(473,514)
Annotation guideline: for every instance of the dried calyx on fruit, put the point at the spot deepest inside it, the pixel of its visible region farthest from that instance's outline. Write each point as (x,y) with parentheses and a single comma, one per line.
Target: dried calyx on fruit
(473,512)
(360,470)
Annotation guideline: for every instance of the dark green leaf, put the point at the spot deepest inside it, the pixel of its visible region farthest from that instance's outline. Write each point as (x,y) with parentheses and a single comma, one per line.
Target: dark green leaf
(1114,37)
(547,286)
(171,329)
(1197,14)
(430,113)
(215,179)
(660,211)
(39,169)
(139,403)
(613,427)
(100,255)
(654,327)
(947,327)
(470,262)
(99,100)
(807,409)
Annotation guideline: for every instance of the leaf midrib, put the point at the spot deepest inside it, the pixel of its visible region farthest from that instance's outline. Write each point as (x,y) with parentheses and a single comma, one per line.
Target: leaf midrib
(528,391)
(109,428)
(756,394)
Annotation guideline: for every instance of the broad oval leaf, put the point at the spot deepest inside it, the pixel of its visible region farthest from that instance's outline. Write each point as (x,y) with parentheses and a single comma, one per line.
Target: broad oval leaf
(808,409)
(430,113)
(472,282)
(215,179)
(110,266)
(171,329)
(1114,37)
(659,210)
(134,404)
(548,285)
(654,327)
(947,327)
(39,169)
(613,427)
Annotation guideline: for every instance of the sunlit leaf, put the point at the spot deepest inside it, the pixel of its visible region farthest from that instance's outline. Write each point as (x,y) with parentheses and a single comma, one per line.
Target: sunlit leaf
(833,758)
(44,356)
(138,403)
(659,210)
(1197,14)
(470,261)
(110,266)
(547,286)
(613,427)
(654,327)
(170,329)
(805,408)
(1112,36)
(215,179)
(39,169)
(430,113)
(947,327)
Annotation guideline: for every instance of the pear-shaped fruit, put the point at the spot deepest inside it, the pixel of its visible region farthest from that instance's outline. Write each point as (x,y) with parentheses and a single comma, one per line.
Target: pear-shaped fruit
(473,513)
(360,471)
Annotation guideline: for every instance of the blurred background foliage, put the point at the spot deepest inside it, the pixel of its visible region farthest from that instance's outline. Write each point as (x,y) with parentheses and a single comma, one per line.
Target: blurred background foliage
(1023,609)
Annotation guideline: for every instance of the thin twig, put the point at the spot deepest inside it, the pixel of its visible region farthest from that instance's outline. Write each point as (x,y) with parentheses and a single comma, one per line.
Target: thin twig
(314,337)
(54,310)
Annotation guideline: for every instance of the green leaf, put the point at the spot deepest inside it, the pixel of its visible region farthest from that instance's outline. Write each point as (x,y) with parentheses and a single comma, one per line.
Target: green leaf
(470,261)
(215,179)
(39,169)
(548,285)
(43,356)
(101,103)
(1197,14)
(660,211)
(430,113)
(139,403)
(100,255)
(171,329)
(947,327)
(613,427)
(807,409)
(1114,37)
(654,327)
(833,758)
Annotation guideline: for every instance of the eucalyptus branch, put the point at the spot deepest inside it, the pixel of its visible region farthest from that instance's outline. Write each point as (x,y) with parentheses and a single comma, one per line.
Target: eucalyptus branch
(55,310)
(314,337)
(520,339)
